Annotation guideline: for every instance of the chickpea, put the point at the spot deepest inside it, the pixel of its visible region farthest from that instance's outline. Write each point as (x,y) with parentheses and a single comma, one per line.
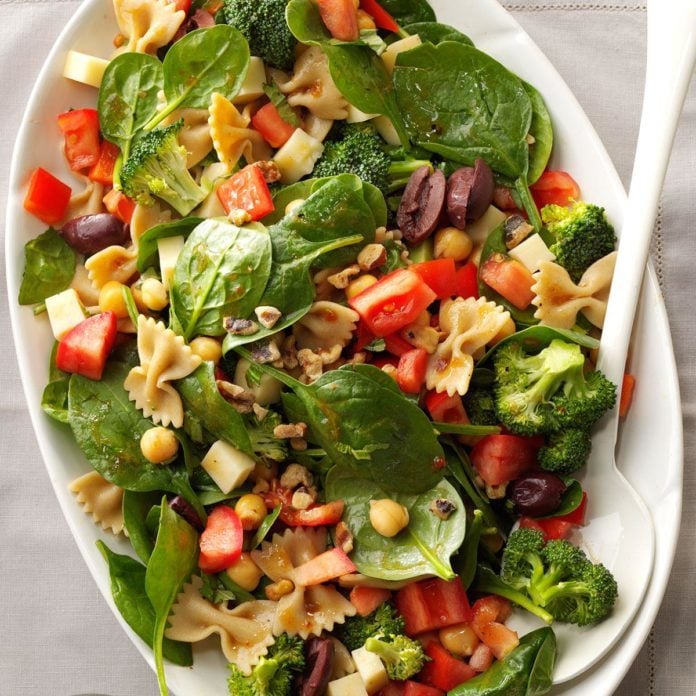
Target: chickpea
(365,21)
(293,204)
(451,243)
(279,589)
(506,330)
(159,444)
(355,287)
(251,509)
(245,573)
(154,294)
(388,517)
(207,348)
(460,639)
(111,299)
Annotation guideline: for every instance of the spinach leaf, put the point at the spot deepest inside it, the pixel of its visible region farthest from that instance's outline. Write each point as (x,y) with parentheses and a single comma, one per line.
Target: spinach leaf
(542,132)
(221,271)
(306,25)
(407,12)
(49,267)
(436,32)
(127,578)
(54,400)
(136,507)
(215,59)
(465,429)
(173,560)
(570,500)
(466,560)
(423,548)
(204,403)
(148,256)
(526,671)
(128,97)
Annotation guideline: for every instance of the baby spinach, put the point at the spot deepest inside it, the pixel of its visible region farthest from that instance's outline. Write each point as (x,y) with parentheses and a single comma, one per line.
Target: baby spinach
(465,429)
(136,507)
(407,12)
(54,400)
(542,132)
(221,271)
(148,256)
(570,500)
(423,548)
(49,267)
(466,560)
(436,32)
(214,59)
(127,578)
(173,560)
(526,671)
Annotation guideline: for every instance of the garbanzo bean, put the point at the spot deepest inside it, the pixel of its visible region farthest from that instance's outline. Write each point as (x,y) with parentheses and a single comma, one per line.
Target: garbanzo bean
(251,510)
(159,444)
(355,287)
(451,243)
(207,348)
(154,294)
(388,517)
(111,299)
(245,573)
(460,639)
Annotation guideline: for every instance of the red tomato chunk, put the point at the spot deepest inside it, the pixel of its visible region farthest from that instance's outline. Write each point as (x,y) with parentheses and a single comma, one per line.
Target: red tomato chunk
(85,348)
(502,458)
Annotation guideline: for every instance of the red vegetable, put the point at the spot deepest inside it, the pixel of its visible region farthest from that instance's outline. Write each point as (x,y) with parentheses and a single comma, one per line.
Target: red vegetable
(444,408)
(396,345)
(489,614)
(84,349)
(577,516)
(444,671)
(314,516)
(627,388)
(326,566)
(558,188)
(466,281)
(221,540)
(509,278)
(501,458)
(340,18)
(80,128)
(410,372)
(103,169)
(47,197)
(367,599)
(118,204)
(412,688)
(382,18)
(440,276)
(551,528)
(247,190)
(268,121)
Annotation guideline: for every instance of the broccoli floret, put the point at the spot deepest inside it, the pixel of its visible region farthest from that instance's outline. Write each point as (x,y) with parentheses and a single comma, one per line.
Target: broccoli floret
(263,24)
(274,674)
(263,442)
(156,166)
(565,451)
(480,407)
(402,656)
(582,233)
(383,621)
(548,391)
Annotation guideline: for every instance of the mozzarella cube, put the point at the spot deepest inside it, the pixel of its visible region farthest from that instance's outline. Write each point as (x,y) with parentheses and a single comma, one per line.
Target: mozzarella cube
(227,466)
(84,68)
(371,669)
(352,685)
(393,50)
(255,79)
(65,311)
(479,230)
(357,116)
(386,129)
(531,252)
(169,249)
(298,156)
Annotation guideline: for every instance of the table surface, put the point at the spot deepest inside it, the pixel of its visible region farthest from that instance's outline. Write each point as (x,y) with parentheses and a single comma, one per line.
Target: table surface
(59,635)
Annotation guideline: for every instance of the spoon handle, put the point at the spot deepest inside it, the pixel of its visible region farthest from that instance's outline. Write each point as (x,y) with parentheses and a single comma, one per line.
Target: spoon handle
(670,62)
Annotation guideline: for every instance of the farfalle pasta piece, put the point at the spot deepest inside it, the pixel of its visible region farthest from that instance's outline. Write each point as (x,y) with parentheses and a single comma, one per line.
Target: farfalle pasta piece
(325,325)
(194,135)
(113,263)
(145,217)
(306,610)
(89,295)
(147,24)
(231,136)
(86,202)
(101,499)
(559,299)
(312,86)
(470,324)
(164,357)
(245,631)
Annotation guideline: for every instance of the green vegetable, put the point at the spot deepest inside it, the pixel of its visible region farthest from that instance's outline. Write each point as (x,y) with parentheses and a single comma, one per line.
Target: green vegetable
(542,132)
(384,621)
(566,451)
(49,267)
(422,548)
(570,500)
(156,166)
(548,391)
(136,507)
(407,12)
(148,256)
(480,406)
(468,553)
(127,578)
(465,429)
(220,272)
(265,527)
(402,656)
(582,235)
(54,399)
(214,591)
(274,674)
(281,104)
(526,671)
(263,24)
(173,559)
(436,32)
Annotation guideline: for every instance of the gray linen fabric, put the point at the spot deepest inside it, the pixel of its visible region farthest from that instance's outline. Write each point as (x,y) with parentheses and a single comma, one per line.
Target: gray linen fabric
(59,637)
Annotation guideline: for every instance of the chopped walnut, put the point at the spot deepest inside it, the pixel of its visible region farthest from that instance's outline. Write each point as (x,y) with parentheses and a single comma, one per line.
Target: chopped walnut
(268,316)
(380,235)
(239,397)
(240,327)
(265,352)
(303,497)
(442,508)
(299,444)
(289,352)
(238,217)
(269,169)
(343,537)
(496,492)
(372,256)
(359,358)
(259,411)
(425,337)
(341,279)
(311,364)
(261,487)
(330,355)
(297,475)
(285,431)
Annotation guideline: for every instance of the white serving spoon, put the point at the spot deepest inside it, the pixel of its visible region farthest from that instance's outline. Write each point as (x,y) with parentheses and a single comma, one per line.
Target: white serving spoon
(621,533)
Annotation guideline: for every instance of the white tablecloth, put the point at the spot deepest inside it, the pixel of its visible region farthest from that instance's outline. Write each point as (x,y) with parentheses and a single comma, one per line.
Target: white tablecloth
(58,635)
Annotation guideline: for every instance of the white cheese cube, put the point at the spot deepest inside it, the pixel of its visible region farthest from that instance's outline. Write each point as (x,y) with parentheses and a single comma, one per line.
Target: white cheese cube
(169,249)
(352,685)
(252,87)
(371,669)
(479,230)
(386,129)
(227,466)
(84,68)
(393,50)
(531,252)
(266,392)
(357,116)
(65,311)
(298,156)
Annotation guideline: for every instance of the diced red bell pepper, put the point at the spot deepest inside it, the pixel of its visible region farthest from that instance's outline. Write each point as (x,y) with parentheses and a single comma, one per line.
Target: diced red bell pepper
(367,599)
(440,275)
(412,688)
(314,516)
(397,345)
(47,197)
(466,281)
(551,528)
(410,372)
(221,540)
(509,278)
(627,388)
(103,170)
(444,671)
(118,204)
(363,337)
(247,190)
(273,128)
(183,5)
(326,566)
(558,188)
(85,348)
(431,604)
(444,408)
(340,18)
(80,128)
(382,18)
(393,302)
(502,458)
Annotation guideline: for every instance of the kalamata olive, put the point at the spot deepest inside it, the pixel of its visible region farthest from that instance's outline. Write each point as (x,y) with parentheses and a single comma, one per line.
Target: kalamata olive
(319,658)
(469,193)
(182,507)
(538,493)
(89,234)
(421,206)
